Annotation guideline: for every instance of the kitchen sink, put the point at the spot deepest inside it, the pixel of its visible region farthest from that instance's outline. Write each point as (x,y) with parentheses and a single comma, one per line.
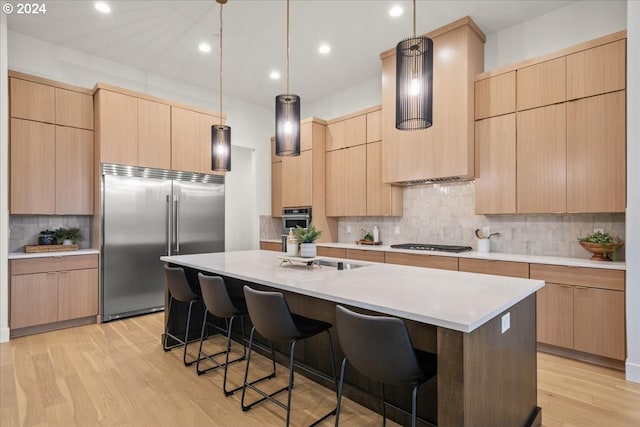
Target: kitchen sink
(346,265)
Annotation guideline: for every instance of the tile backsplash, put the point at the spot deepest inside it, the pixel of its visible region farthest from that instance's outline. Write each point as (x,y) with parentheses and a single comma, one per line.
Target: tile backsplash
(445,214)
(24,229)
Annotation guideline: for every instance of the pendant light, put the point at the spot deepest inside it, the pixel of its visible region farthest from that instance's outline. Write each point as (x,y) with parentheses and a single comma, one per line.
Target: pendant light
(414,81)
(221,134)
(287,116)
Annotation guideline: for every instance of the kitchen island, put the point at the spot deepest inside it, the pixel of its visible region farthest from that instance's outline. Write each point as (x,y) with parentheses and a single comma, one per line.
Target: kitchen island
(481,327)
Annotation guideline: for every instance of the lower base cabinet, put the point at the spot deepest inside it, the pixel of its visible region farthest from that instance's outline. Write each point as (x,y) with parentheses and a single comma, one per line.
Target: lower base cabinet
(52,289)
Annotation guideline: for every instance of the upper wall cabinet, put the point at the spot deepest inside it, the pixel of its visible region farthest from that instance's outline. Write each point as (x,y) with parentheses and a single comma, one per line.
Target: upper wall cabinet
(346,133)
(495,95)
(446,149)
(570,133)
(116,127)
(51,147)
(191,140)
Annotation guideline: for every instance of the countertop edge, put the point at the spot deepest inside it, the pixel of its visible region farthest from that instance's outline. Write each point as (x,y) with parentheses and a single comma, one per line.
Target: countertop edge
(494,256)
(22,255)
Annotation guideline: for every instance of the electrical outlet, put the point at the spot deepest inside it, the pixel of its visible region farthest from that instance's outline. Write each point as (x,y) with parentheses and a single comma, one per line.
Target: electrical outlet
(486,231)
(396,230)
(348,229)
(506,322)
(598,230)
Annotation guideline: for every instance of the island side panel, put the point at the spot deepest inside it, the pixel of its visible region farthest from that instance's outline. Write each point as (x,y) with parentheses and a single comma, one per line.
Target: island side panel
(500,382)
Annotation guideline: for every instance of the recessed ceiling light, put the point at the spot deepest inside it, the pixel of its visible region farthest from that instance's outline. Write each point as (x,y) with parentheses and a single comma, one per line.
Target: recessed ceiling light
(395,11)
(102,7)
(274,75)
(324,49)
(204,47)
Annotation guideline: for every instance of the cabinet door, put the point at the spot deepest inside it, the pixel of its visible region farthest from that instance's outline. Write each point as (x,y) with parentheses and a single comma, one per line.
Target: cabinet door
(276,189)
(154,134)
(34,299)
(554,313)
(117,126)
(542,160)
(599,322)
(32,101)
(296,180)
(495,95)
(74,109)
(596,154)
(365,255)
(77,294)
(597,70)
(335,136)
(355,181)
(541,84)
(32,164)
(382,199)
(419,260)
(496,165)
(74,171)
(498,268)
(374,126)
(335,183)
(185,140)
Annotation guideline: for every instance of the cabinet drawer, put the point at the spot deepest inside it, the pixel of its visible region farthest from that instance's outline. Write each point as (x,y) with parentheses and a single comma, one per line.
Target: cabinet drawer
(429,261)
(332,252)
(57,263)
(580,276)
(365,255)
(498,268)
(271,246)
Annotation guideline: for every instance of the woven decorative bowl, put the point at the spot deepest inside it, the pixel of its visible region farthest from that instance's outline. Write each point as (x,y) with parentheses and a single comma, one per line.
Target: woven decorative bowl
(599,252)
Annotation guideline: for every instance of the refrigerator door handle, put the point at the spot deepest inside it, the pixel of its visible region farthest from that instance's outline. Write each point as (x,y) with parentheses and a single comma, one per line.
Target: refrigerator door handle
(177,224)
(169,222)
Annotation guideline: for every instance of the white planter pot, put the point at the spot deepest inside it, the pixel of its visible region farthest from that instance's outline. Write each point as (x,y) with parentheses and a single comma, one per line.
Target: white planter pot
(67,242)
(307,250)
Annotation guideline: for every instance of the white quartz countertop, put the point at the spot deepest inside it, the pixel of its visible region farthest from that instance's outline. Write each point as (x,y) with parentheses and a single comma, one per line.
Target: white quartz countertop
(534,259)
(450,299)
(22,255)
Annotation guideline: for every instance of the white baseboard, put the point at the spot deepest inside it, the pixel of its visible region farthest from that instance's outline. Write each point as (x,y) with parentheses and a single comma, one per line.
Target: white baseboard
(4,335)
(632,372)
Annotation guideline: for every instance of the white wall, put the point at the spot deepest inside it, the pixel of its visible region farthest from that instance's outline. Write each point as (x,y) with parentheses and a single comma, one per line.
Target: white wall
(241,223)
(356,98)
(4,180)
(564,27)
(251,125)
(633,191)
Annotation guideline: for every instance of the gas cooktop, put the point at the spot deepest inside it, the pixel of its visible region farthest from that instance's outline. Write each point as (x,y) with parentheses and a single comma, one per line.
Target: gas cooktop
(430,247)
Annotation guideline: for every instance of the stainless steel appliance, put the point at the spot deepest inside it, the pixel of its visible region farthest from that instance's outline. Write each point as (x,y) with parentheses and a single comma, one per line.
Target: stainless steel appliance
(147,213)
(292,218)
(432,247)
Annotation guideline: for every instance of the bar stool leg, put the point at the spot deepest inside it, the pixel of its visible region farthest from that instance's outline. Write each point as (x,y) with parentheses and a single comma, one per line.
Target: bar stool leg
(291,379)
(339,404)
(186,337)
(165,344)
(250,384)
(414,408)
(384,408)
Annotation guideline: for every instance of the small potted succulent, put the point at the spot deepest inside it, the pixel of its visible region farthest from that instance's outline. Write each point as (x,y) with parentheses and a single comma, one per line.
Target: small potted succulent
(307,238)
(69,236)
(603,246)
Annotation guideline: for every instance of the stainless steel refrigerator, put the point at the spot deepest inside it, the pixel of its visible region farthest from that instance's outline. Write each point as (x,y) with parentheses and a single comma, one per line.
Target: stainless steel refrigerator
(147,213)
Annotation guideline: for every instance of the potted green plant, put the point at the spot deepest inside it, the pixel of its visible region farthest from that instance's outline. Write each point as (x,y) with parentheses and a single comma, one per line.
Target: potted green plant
(69,236)
(307,238)
(603,246)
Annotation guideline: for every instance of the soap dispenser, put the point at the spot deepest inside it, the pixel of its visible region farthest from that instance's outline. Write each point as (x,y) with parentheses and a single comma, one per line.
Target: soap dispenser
(292,244)
(376,234)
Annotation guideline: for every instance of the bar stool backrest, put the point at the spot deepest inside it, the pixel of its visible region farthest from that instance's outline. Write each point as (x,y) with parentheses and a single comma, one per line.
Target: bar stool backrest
(178,285)
(270,315)
(216,297)
(378,347)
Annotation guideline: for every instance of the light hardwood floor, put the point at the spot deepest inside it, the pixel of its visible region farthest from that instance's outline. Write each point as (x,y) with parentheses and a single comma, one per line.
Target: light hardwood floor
(117,374)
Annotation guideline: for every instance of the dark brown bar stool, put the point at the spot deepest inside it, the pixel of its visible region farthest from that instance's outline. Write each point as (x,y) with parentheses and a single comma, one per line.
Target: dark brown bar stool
(179,290)
(380,348)
(272,319)
(219,304)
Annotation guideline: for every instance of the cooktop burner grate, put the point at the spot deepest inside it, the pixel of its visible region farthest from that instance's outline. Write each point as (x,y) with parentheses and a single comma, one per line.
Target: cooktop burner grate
(431,247)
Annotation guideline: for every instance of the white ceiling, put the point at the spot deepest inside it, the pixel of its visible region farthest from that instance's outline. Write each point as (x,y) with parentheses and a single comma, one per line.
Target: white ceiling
(161,37)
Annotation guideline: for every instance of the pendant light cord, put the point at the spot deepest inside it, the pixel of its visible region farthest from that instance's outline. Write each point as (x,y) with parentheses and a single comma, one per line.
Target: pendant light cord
(414,19)
(221,62)
(288,52)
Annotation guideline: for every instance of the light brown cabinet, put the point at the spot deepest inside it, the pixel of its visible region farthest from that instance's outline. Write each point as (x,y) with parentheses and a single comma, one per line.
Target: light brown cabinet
(597,70)
(541,160)
(116,127)
(496,267)
(365,255)
(496,165)
(32,101)
(346,181)
(276,189)
(417,260)
(347,133)
(74,171)
(191,140)
(541,84)
(332,252)
(297,180)
(74,109)
(374,126)
(495,95)
(271,246)
(446,148)
(582,309)
(154,134)
(382,199)
(335,167)
(49,290)
(596,153)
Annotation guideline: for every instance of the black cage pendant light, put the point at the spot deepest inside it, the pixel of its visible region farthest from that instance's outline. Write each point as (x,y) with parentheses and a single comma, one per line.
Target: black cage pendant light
(287,116)
(221,134)
(414,81)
